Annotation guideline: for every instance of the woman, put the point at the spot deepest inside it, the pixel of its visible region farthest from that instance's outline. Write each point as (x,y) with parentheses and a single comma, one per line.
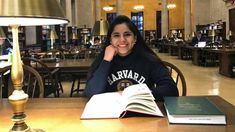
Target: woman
(126,60)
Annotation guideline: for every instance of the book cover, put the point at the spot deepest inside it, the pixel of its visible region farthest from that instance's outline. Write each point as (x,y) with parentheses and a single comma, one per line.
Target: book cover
(135,98)
(193,110)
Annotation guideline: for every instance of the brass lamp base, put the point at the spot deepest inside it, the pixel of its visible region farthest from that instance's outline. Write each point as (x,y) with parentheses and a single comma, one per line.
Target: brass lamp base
(29,130)
(18,100)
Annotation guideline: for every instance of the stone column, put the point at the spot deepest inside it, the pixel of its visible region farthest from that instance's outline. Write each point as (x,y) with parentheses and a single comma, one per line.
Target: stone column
(165,22)
(187,19)
(76,19)
(97,10)
(119,7)
(69,11)
(85,13)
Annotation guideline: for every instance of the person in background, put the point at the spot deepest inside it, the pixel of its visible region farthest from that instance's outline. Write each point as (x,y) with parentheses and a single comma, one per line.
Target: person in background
(5,46)
(198,38)
(97,43)
(88,43)
(126,60)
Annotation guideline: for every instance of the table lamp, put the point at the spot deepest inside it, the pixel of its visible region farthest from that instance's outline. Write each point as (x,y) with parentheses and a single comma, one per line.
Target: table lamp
(15,13)
(212,34)
(53,36)
(193,34)
(100,29)
(230,34)
(180,35)
(74,36)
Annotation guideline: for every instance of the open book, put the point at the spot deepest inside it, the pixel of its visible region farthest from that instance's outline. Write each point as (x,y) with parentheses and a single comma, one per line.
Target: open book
(135,98)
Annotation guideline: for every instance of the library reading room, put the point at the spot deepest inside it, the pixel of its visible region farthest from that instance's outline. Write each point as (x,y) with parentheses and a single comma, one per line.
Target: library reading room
(117,65)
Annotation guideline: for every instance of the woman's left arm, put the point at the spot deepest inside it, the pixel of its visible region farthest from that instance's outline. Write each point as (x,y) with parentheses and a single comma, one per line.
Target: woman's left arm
(165,85)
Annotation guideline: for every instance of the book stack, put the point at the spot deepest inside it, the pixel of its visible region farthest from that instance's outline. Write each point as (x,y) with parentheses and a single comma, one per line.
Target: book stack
(193,110)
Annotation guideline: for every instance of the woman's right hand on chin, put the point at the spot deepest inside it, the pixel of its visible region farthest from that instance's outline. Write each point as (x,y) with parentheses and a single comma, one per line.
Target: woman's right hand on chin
(110,52)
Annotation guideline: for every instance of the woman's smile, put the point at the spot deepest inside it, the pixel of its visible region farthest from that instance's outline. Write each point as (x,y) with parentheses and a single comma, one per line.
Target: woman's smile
(123,39)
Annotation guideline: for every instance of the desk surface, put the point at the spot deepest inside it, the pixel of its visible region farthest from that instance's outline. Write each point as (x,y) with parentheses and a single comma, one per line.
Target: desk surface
(63,114)
(70,63)
(226,51)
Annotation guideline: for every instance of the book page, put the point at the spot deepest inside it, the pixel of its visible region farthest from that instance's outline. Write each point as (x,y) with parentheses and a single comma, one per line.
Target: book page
(106,105)
(136,98)
(139,99)
(136,89)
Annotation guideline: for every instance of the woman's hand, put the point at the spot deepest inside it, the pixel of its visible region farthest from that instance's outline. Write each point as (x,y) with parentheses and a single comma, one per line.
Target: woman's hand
(110,52)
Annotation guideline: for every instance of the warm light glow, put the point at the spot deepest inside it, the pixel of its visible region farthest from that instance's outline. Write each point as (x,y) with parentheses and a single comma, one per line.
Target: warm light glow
(211,33)
(108,8)
(230,33)
(53,36)
(74,36)
(139,7)
(171,6)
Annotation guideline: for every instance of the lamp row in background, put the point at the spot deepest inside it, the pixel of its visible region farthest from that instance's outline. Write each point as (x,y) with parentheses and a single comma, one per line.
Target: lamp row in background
(46,37)
(80,37)
(84,37)
(212,33)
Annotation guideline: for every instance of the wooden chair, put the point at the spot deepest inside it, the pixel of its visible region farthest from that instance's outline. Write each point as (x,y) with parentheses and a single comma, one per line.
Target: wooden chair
(32,83)
(178,77)
(57,55)
(80,79)
(50,77)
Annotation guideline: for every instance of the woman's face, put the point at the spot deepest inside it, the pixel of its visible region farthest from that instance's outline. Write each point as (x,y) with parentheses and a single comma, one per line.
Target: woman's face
(123,39)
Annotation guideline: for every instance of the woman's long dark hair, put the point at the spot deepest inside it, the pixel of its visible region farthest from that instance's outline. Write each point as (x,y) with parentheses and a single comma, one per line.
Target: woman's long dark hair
(140,47)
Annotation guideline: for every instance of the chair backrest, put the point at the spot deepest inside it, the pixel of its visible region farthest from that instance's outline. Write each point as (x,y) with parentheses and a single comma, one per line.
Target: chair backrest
(49,77)
(178,77)
(32,83)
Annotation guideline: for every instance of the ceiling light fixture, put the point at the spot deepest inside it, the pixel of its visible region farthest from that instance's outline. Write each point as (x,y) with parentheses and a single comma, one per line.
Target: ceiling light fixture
(108,8)
(139,7)
(171,6)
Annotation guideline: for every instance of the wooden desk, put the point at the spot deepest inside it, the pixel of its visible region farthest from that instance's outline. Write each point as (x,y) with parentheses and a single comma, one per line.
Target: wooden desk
(196,54)
(202,56)
(63,114)
(226,61)
(184,53)
(71,65)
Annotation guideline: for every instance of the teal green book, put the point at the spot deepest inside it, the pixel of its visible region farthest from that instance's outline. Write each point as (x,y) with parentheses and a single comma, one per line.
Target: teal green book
(193,110)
